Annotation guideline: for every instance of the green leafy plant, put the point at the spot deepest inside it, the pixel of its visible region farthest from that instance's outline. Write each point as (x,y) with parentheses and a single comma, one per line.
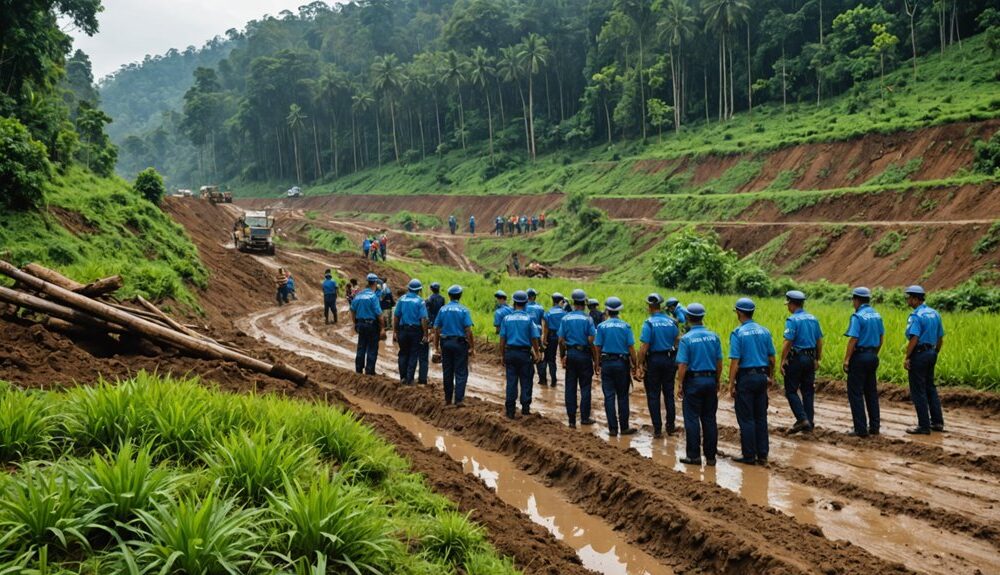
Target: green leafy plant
(453,538)
(27,425)
(693,260)
(123,482)
(340,436)
(249,464)
(24,167)
(888,244)
(989,241)
(103,416)
(149,184)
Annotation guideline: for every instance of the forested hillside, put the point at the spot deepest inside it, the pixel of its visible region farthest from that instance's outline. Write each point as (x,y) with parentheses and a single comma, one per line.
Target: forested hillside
(328,91)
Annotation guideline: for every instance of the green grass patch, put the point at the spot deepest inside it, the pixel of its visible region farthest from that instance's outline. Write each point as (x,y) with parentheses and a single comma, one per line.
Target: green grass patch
(888,244)
(767,254)
(333,242)
(734,178)
(989,241)
(896,174)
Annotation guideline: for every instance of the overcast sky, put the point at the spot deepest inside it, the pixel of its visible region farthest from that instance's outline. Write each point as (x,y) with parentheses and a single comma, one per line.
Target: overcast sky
(130,29)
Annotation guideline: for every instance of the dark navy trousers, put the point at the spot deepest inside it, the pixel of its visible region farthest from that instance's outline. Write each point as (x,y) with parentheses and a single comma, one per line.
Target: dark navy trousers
(923,392)
(423,361)
(330,306)
(751,414)
(862,391)
(579,376)
(701,402)
(615,384)
(455,365)
(520,378)
(660,373)
(408,339)
(800,378)
(549,363)
(367,346)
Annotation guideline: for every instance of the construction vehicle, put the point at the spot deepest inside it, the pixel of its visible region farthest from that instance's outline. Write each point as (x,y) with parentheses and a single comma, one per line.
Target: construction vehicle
(254,232)
(215,196)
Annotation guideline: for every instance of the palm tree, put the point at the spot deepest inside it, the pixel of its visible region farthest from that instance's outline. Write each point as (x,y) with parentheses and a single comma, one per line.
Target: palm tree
(638,12)
(387,79)
(509,70)
(415,89)
(360,103)
(295,120)
(677,25)
(532,53)
(722,16)
(480,72)
(454,70)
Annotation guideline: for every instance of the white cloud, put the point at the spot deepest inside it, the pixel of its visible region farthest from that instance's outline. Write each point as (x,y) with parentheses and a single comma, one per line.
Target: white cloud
(131,29)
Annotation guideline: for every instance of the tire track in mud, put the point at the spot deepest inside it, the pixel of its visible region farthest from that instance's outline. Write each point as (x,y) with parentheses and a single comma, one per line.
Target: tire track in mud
(820,487)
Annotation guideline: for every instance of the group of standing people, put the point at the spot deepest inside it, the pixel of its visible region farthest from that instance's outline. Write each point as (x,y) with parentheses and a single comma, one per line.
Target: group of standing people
(284,284)
(375,246)
(511,225)
(453,224)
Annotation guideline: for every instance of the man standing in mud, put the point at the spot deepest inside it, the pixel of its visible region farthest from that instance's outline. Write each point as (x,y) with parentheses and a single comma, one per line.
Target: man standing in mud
(410,327)
(502,310)
(579,357)
(801,353)
(616,348)
(454,341)
(518,352)
(366,313)
(657,352)
(550,335)
(281,284)
(925,337)
(699,368)
(329,297)
(452,224)
(866,334)
(536,311)
(751,371)
(434,305)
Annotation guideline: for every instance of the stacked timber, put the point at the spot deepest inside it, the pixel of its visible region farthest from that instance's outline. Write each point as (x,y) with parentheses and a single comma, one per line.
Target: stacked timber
(89,308)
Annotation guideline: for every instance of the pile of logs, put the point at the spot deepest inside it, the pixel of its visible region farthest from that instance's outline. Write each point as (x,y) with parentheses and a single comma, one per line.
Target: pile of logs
(72,306)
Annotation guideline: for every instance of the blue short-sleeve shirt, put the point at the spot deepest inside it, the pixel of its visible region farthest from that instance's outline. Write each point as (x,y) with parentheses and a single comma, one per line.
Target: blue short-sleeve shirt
(501,312)
(925,323)
(614,336)
(680,314)
(751,343)
(803,330)
(329,286)
(660,332)
(553,318)
(366,305)
(410,309)
(577,328)
(866,326)
(536,311)
(518,330)
(453,319)
(700,349)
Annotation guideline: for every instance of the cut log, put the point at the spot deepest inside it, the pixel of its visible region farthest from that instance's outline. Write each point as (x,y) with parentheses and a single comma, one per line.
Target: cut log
(93,289)
(57,311)
(152,330)
(101,287)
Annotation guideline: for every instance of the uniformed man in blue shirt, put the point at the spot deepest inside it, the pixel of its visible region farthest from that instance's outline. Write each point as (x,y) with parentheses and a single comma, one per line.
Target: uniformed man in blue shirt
(657,354)
(434,305)
(595,313)
(678,312)
(537,312)
(329,297)
(366,312)
(801,353)
(519,350)
(925,337)
(866,334)
(616,347)
(579,357)
(410,326)
(699,368)
(502,310)
(751,371)
(472,225)
(550,335)
(452,224)
(454,341)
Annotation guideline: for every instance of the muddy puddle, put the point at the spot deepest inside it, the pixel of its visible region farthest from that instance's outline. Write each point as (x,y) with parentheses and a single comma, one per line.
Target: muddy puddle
(599,547)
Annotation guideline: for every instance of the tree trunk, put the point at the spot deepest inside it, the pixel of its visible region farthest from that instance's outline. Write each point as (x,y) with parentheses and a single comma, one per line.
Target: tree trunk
(489,114)
(378,133)
(642,88)
(784,80)
(531,114)
(820,22)
(354,138)
(607,118)
(392,115)
(503,118)
(524,114)
(562,107)
(749,75)
(298,164)
(732,82)
(319,165)
(912,12)
(437,115)
(704,70)
(674,92)
(461,116)
(423,145)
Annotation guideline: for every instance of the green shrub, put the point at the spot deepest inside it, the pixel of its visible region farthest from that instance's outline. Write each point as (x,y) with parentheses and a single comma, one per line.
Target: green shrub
(251,464)
(149,184)
(751,279)
(26,425)
(694,261)
(888,244)
(123,482)
(454,538)
(333,242)
(24,166)
(987,159)
(989,241)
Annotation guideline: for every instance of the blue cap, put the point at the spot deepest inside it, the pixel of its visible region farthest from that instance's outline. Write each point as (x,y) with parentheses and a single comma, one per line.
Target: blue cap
(520,296)
(593,302)
(557,297)
(696,310)
(500,294)
(455,290)
(613,304)
(795,295)
(579,295)
(861,292)
(654,299)
(415,285)
(671,301)
(745,304)
(915,290)
(372,278)
(435,286)
(531,292)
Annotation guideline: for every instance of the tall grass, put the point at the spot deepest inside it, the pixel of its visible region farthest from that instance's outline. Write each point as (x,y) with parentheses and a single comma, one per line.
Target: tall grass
(125,482)
(27,425)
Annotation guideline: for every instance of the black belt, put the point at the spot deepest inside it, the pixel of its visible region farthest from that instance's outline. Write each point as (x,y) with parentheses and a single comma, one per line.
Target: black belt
(453,337)
(366,321)
(699,374)
(519,347)
(923,347)
(752,371)
(412,327)
(621,356)
(666,352)
(866,349)
(580,347)
(810,352)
